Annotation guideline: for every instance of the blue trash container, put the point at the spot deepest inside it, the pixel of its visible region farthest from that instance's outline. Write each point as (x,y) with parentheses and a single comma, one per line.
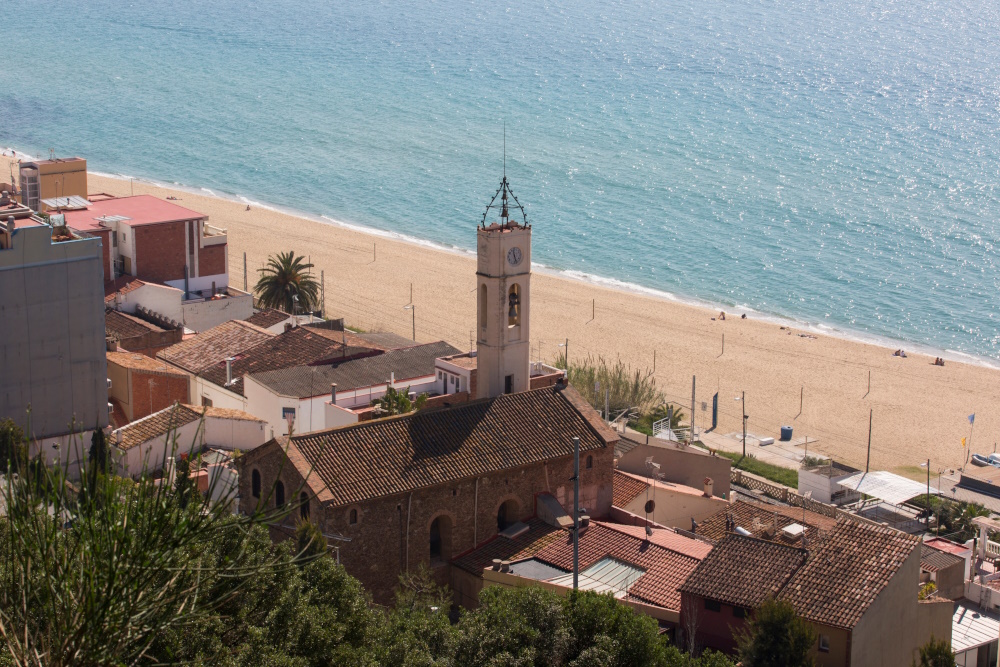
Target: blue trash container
(786,433)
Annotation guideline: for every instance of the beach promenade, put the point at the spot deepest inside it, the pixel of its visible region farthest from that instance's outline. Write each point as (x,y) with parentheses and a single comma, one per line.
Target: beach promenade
(817,384)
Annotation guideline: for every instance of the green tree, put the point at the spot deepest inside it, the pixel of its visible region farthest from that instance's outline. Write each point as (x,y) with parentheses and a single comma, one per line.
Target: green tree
(520,627)
(98,582)
(100,453)
(776,637)
(395,402)
(309,541)
(285,284)
(417,630)
(13,450)
(604,631)
(935,653)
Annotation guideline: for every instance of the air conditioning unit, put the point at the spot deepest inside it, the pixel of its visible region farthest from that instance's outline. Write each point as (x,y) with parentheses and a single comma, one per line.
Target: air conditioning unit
(109,383)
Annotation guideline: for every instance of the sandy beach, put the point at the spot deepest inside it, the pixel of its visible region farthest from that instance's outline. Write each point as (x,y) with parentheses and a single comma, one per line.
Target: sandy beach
(919,410)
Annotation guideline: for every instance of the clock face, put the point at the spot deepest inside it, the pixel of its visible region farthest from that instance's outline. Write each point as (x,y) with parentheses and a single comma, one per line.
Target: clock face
(514,256)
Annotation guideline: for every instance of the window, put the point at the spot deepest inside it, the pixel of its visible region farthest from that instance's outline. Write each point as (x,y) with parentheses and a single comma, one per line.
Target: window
(436,538)
(713,605)
(114,239)
(440,375)
(255,483)
(508,384)
(353,517)
(206,402)
(304,505)
(279,494)
(824,644)
(288,415)
(739,612)
(590,462)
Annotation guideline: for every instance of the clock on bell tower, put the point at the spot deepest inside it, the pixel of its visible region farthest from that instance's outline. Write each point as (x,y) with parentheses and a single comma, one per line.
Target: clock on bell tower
(503,298)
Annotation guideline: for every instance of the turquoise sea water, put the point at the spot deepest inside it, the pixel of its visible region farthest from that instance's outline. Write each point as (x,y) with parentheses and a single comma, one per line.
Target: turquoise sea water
(833,162)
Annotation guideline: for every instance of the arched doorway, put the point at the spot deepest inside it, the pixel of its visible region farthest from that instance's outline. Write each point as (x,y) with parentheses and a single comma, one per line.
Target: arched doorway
(440,540)
(508,514)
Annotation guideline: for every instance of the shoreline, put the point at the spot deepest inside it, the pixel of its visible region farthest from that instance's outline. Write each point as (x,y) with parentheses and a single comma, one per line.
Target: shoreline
(602,282)
(793,374)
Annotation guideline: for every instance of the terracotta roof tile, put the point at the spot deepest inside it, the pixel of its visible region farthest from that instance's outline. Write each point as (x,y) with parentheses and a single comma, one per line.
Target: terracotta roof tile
(627,488)
(122,326)
(121,285)
(760,520)
(141,362)
(225,413)
(665,569)
(297,347)
(213,345)
(155,425)
(668,538)
(430,447)
(744,571)
(846,571)
(267,318)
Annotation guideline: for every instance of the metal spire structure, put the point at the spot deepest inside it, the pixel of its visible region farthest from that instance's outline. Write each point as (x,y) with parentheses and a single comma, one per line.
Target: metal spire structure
(506,195)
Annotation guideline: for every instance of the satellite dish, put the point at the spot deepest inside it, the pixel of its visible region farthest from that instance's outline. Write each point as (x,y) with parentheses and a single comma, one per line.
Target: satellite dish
(650,506)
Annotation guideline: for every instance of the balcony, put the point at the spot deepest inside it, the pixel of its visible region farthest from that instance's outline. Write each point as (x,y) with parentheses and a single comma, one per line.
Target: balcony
(212,235)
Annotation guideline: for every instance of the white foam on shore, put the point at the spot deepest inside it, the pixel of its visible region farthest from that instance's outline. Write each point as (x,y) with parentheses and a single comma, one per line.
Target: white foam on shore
(817,328)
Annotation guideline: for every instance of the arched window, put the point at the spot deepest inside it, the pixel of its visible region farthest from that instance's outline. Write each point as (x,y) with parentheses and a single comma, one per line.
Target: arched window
(304,505)
(255,483)
(353,517)
(440,540)
(482,308)
(590,462)
(279,494)
(507,515)
(514,305)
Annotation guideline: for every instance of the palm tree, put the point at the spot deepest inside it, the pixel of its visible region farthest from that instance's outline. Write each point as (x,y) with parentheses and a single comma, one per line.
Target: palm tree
(285,285)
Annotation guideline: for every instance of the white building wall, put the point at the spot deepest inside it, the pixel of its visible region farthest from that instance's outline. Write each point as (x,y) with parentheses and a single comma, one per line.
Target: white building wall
(230,434)
(820,485)
(220,397)
(152,455)
(160,299)
(203,315)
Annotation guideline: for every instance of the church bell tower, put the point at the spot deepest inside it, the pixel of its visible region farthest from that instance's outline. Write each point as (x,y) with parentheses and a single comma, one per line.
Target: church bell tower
(503,321)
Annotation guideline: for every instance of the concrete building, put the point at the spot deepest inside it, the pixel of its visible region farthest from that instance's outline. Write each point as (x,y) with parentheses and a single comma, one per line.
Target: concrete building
(427,486)
(858,587)
(823,481)
(146,445)
(678,463)
(321,397)
(52,348)
(58,178)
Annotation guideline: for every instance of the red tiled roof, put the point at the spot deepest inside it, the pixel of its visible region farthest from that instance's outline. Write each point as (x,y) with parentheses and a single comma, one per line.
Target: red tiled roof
(627,488)
(141,362)
(140,209)
(665,569)
(744,571)
(418,450)
(760,520)
(667,538)
(122,326)
(210,347)
(832,583)
(120,285)
(933,560)
(298,347)
(267,318)
(170,419)
(846,571)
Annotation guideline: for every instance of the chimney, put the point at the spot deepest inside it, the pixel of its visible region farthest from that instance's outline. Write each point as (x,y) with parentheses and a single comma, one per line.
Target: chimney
(10,224)
(708,487)
(214,291)
(392,378)
(333,393)
(118,436)
(288,326)
(4,198)
(229,370)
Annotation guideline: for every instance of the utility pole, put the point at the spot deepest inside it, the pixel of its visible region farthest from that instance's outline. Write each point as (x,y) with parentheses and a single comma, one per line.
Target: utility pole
(869,459)
(743,402)
(322,291)
(576,513)
(692,408)
(927,519)
(413,310)
(244,272)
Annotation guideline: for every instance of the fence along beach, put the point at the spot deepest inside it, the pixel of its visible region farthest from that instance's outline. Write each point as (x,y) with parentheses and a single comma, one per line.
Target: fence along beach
(919,409)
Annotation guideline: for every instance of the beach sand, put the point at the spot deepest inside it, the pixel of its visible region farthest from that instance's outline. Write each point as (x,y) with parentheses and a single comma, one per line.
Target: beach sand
(919,410)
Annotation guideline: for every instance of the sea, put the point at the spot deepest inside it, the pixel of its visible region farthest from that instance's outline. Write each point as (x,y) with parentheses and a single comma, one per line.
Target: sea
(834,163)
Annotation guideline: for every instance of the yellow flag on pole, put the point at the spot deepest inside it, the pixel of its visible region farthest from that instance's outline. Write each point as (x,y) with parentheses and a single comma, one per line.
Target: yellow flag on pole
(963,443)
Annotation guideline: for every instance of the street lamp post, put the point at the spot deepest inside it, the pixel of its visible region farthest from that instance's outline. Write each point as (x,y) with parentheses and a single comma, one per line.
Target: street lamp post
(742,398)
(413,310)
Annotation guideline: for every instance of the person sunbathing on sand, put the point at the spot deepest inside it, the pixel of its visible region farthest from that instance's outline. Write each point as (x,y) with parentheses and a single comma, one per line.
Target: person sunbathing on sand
(722,315)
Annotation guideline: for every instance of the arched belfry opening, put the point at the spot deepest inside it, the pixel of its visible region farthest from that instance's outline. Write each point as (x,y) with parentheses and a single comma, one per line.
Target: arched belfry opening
(514,306)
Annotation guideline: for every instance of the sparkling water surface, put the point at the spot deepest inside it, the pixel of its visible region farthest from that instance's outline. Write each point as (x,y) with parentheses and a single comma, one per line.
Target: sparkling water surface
(837,163)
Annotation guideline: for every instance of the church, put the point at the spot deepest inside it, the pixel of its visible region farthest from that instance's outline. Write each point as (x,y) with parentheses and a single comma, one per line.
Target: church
(429,486)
